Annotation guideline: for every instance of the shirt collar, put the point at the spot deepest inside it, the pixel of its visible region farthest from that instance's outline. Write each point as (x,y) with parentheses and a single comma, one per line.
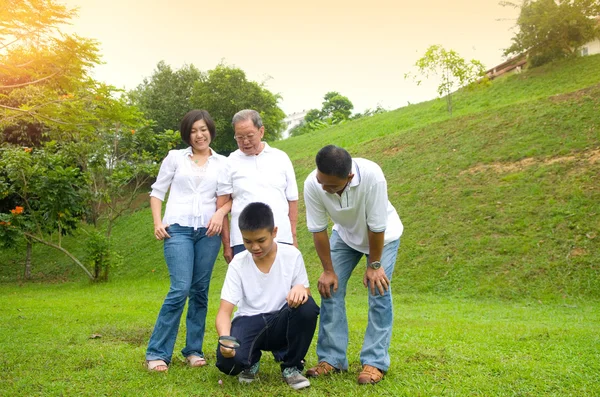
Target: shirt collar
(356,180)
(189,152)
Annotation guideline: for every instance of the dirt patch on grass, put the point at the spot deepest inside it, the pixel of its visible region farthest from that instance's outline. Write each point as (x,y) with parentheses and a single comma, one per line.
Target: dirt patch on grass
(588,156)
(575,96)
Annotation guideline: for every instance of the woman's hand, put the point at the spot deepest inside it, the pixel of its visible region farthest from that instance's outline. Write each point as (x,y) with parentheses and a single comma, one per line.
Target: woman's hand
(160,231)
(215,225)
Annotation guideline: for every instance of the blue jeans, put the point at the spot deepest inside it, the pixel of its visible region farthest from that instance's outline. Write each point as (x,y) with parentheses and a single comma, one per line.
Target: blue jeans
(190,255)
(289,330)
(333,327)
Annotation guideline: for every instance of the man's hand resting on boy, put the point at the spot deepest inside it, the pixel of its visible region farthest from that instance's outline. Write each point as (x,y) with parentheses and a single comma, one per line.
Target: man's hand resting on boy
(297,296)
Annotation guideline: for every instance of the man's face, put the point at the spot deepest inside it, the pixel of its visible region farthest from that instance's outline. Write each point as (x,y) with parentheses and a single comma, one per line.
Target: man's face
(259,242)
(248,137)
(333,184)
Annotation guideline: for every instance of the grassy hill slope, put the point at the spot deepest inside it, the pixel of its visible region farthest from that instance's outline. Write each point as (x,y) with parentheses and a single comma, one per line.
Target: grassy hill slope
(502,199)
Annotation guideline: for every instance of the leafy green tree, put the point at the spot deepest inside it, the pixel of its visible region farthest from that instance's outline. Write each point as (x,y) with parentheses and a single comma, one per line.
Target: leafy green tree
(454,72)
(93,151)
(553,29)
(41,69)
(224,91)
(370,112)
(312,115)
(336,107)
(48,187)
(165,96)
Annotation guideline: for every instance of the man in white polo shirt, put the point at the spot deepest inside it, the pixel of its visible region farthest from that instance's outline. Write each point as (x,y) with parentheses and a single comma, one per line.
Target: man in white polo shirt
(353,193)
(257,172)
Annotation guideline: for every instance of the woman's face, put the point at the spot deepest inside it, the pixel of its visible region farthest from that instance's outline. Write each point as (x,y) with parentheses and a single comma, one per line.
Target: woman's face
(199,136)
(248,137)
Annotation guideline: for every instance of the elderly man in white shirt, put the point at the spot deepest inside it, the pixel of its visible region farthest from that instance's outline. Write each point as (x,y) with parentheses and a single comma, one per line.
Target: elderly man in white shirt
(256,172)
(353,193)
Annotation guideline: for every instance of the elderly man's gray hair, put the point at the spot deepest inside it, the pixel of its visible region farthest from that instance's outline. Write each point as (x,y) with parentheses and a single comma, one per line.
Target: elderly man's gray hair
(247,114)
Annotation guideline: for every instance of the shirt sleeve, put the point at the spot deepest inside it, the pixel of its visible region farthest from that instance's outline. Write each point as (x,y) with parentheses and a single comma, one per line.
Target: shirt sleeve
(165,176)
(376,206)
(232,291)
(291,190)
(224,180)
(300,276)
(316,215)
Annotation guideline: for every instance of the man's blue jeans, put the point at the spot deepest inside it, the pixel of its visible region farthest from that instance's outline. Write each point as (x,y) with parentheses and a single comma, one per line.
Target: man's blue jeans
(190,255)
(333,326)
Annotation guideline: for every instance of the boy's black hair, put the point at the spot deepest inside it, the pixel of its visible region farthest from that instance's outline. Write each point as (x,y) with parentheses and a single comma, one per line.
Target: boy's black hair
(334,160)
(256,216)
(185,129)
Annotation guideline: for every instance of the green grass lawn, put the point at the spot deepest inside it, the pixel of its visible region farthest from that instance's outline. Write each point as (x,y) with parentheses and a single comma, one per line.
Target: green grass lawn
(497,282)
(82,339)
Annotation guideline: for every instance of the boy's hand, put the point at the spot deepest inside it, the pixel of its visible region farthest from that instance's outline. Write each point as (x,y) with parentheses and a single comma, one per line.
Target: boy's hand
(297,296)
(227,353)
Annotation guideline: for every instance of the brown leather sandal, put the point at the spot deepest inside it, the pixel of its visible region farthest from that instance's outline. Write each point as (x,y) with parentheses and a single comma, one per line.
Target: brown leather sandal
(370,375)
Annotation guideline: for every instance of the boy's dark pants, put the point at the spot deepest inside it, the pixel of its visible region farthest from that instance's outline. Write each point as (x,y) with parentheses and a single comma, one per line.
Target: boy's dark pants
(289,329)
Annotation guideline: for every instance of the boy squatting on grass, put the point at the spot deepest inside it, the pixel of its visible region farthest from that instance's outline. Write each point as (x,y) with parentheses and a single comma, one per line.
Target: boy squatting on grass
(269,285)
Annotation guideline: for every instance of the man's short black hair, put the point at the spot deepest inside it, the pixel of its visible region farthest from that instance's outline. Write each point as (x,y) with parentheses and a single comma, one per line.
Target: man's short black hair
(334,160)
(256,216)
(190,118)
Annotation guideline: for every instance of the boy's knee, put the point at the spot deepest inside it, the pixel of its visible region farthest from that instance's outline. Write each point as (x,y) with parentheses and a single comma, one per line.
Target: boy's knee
(309,309)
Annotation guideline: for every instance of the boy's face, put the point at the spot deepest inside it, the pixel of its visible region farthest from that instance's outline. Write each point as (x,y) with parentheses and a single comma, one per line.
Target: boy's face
(259,242)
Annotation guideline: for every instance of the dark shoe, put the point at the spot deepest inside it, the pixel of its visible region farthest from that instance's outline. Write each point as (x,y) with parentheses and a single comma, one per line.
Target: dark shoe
(323,368)
(249,375)
(370,375)
(294,378)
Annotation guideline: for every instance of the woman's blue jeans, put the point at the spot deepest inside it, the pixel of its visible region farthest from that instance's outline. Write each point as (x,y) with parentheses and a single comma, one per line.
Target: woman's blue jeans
(190,255)
(333,326)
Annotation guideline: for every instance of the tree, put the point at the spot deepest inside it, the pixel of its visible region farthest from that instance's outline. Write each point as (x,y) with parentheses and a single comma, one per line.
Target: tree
(312,115)
(224,91)
(41,68)
(553,29)
(336,107)
(92,150)
(165,96)
(370,112)
(454,72)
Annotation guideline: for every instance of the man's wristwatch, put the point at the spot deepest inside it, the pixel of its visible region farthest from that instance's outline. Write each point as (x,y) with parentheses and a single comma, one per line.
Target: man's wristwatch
(374,265)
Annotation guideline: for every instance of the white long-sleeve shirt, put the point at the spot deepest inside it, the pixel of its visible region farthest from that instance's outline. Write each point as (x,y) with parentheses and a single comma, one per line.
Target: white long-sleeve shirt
(193,198)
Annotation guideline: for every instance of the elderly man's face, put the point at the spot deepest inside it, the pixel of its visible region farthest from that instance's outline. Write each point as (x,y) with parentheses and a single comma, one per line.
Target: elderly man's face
(248,137)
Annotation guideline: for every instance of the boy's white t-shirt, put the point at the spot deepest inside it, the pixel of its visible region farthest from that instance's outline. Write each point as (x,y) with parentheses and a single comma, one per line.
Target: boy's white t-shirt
(255,292)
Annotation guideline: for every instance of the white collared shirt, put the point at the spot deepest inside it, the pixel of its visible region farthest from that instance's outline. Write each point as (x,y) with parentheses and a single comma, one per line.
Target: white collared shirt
(193,198)
(267,178)
(362,206)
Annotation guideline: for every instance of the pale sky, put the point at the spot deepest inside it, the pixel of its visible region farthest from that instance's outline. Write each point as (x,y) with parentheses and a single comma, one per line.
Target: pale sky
(302,49)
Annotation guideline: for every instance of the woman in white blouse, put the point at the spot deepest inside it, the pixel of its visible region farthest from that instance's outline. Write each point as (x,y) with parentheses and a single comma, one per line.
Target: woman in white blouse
(191,229)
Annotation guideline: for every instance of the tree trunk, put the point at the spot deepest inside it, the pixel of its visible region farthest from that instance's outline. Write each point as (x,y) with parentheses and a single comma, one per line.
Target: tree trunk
(27,273)
(64,251)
